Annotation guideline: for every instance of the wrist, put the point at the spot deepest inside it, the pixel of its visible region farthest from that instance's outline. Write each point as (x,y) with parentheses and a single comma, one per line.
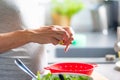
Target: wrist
(27,34)
(30,35)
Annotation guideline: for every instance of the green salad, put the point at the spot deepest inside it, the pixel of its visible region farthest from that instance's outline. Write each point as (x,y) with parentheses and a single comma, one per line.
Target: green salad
(50,76)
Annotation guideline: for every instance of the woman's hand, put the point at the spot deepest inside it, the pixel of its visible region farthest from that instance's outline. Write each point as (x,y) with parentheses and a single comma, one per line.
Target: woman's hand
(51,34)
(70,39)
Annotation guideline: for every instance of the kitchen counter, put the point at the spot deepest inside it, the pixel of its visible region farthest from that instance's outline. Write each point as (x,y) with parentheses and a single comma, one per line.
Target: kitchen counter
(109,71)
(9,71)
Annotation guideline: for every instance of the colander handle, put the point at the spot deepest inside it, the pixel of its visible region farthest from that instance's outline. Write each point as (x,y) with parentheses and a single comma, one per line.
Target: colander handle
(47,68)
(94,64)
(52,70)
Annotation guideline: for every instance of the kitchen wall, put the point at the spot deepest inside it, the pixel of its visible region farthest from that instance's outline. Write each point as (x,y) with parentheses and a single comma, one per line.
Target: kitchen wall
(87,20)
(91,26)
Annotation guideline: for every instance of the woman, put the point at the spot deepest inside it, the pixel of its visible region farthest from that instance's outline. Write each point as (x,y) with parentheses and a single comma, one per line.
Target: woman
(16,38)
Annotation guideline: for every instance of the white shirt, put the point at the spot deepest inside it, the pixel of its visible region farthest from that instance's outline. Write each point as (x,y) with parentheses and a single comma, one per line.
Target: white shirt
(12,17)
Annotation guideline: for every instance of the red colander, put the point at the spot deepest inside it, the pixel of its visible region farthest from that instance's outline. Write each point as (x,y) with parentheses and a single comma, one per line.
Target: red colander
(72,67)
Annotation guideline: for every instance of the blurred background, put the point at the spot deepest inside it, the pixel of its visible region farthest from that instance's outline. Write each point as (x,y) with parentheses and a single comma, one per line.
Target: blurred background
(94,24)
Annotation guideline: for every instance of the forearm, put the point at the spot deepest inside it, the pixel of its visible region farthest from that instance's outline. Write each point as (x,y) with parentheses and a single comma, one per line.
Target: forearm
(13,39)
(43,35)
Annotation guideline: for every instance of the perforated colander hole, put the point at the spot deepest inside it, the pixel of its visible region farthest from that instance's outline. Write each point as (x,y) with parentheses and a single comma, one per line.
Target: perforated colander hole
(70,70)
(85,67)
(75,70)
(65,66)
(81,67)
(71,66)
(60,67)
(76,66)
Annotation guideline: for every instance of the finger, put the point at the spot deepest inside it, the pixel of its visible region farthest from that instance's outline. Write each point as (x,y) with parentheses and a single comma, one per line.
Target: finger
(68,44)
(69,41)
(59,37)
(66,48)
(54,41)
(63,32)
(65,36)
(69,30)
(60,34)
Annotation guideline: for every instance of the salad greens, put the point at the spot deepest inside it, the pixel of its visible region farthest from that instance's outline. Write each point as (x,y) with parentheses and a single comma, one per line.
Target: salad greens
(50,76)
(38,75)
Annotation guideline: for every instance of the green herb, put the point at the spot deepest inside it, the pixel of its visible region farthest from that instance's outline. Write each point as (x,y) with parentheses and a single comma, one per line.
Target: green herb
(38,75)
(50,76)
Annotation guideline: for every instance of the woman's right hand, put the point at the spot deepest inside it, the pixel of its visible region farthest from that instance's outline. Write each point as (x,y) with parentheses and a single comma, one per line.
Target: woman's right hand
(49,34)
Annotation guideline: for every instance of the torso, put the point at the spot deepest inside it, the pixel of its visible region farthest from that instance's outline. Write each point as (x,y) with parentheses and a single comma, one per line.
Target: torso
(9,16)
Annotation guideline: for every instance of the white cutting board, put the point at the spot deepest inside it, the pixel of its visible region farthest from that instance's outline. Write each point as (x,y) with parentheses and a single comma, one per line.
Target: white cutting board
(97,76)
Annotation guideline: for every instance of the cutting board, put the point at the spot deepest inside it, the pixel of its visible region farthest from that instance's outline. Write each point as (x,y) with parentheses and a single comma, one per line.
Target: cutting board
(97,76)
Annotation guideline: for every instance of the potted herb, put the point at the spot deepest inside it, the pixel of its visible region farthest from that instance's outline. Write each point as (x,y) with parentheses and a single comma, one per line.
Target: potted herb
(63,10)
